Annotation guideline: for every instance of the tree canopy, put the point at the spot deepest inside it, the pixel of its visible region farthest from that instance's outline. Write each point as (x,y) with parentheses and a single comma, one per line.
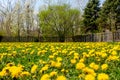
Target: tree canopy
(61,20)
(91,15)
(109,15)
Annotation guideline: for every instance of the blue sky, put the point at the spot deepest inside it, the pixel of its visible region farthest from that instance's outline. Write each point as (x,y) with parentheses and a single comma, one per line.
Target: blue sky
(42,3)
(102,1)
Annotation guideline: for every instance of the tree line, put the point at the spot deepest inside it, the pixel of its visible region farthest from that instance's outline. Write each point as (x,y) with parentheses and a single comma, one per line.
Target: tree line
(18,18)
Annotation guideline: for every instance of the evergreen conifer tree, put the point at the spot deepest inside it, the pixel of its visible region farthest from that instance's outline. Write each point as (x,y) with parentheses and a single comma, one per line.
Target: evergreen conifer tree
(109,15)
(91,15)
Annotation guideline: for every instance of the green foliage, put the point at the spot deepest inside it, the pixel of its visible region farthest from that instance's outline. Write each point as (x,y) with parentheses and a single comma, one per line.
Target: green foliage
(91,16)
(109,15)
(58,20)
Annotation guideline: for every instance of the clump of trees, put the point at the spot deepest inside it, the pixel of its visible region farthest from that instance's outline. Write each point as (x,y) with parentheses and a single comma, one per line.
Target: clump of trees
(110,15)
(99,18)
(18,18)
(59,20)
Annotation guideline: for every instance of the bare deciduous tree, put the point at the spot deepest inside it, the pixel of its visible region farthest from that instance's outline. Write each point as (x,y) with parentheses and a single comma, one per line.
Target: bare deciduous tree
(6,11)
(17,16)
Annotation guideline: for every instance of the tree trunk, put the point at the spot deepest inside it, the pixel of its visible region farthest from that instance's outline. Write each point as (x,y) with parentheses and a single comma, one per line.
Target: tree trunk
(62,38)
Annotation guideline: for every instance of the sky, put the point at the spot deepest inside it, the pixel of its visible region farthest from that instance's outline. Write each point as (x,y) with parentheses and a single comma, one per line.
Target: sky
(42,3)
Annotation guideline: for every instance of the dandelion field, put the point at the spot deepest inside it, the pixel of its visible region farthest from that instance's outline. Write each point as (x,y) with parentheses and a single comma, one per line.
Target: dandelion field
(60,61)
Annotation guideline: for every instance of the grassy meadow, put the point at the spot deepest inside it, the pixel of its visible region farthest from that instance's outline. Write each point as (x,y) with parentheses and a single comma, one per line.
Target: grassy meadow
(60,61)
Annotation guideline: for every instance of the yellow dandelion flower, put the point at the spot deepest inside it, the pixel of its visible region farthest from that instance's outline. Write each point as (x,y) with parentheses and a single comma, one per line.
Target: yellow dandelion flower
(89,77)
(10,64)
(34,68)
(63,70)
(114,58)
(1,57)
(103,76)
(76,54)
(91,51)
(5,71)
(55,53)
(14,52)
(71,53)
(44,68)
(66,71)
(19,65)
(15,71)
(64,51)
(58,65)
(89,71)
(25,73)
(114,53)
(81,75)
(32,52)
(80,66)
(103,55)
(81,60)
(34,76)
(76,57)
(53,63)
(61,78)
(51,56)
(73,61)
(2,73)
(94,66)
(45,77)
(53,73)
(59,59)
(43,51)
(104,66)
